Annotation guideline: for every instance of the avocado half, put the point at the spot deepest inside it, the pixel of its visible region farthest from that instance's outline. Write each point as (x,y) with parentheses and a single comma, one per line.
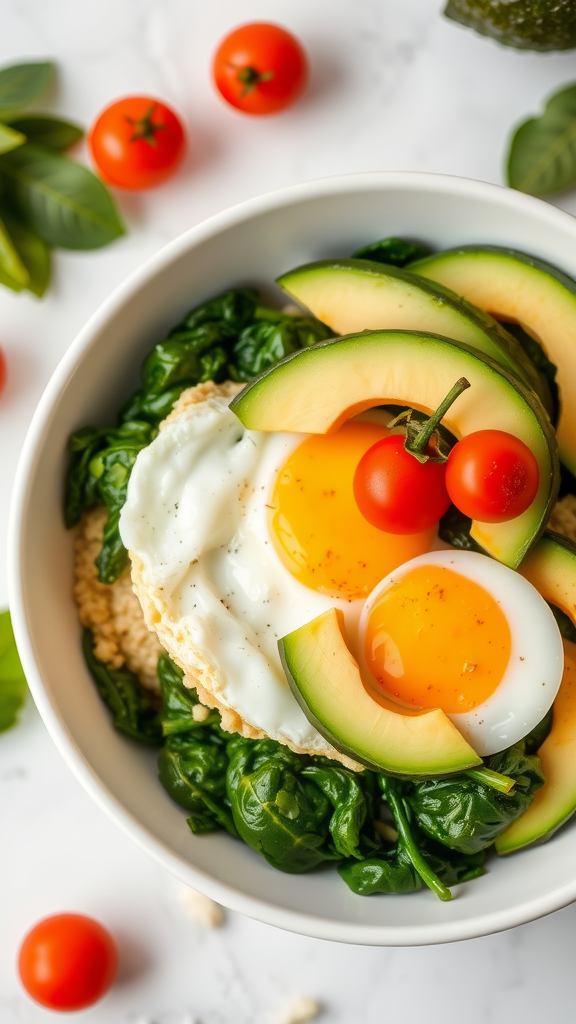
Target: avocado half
(326,682)
(524,24)
(359,294)
(513,286)
(315,389)
(551,567)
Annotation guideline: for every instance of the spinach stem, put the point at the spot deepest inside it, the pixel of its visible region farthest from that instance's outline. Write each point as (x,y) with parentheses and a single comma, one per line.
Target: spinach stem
(503,783)
(419,864)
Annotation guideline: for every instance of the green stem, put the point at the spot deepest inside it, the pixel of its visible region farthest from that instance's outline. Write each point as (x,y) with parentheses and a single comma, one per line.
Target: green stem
(503,783)
(419,864)
(420,443)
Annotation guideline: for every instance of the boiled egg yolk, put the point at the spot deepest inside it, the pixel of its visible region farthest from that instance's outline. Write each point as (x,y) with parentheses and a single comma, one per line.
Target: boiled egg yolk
(315,524)
(436,639)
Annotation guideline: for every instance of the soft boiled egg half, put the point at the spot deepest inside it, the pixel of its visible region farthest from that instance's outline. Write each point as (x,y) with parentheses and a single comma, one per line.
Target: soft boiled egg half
(239,537)
(459,631)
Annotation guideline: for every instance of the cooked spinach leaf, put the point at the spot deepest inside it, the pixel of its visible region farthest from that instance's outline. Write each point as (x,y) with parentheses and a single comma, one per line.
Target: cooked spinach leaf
(193,762)
(396,251)
(466,815)
(277,810)
(119,688)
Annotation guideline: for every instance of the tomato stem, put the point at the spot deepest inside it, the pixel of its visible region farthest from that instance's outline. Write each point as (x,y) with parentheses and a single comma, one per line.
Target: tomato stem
(420,435)
(250,78)
(144,127)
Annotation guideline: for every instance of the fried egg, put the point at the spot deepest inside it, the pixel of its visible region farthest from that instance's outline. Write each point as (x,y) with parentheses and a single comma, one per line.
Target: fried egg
(238,537)
(459,631)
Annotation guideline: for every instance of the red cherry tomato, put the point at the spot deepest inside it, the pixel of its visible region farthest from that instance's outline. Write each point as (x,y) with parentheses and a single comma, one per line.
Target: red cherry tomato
(67,962)
(492,476)
(395,492)
(260,68)
(3,369)
(137,142)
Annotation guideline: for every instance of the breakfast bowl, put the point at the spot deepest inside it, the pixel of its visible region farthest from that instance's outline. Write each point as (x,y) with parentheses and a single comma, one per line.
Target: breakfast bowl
(251,244)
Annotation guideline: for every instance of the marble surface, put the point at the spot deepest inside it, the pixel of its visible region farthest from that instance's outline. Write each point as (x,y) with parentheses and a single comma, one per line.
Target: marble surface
(393,86)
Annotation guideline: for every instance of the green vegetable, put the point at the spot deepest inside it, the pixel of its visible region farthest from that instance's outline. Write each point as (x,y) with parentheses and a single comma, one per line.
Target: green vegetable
(465,814)
(276,809)
(524,24)
(60,200)
(268,340)
(47,131)
(539,359)
(413,860)
(396,251)
(46,199)
(542,157)
(193,761)
(455,529)
(119,688)
(21,84)
(13,688)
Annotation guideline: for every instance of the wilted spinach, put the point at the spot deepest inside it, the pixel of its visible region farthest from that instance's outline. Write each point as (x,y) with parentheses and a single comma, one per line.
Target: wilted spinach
(119,688)
(230,336)
(466,815)
(193,762)
(395,251)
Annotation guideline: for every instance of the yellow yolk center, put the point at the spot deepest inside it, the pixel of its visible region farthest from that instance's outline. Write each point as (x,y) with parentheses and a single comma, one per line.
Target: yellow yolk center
(316,526)
(436,639)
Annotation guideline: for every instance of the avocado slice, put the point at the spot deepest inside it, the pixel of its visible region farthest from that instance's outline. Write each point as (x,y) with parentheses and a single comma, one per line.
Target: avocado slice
(352,295)
(524,24)
(326,682)
(317,388)
(513,286)
(555,802)
(551,567)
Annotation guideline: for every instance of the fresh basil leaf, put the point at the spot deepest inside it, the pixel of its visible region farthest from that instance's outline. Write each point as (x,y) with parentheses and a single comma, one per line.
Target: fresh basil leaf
(22,83)
(10,138)
(47,131)
(11,266)
(61,200)
(33,252)
(13,688)
(542,156)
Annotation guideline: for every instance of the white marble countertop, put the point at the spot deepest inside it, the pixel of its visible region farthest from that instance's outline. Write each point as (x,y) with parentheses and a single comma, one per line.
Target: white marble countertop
(394,86)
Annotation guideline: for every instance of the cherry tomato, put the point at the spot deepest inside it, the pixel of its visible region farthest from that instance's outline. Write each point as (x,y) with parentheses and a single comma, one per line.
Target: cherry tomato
(137,142)
(67,962)
(397,493)
(3,370)
(492,476)
(260,68)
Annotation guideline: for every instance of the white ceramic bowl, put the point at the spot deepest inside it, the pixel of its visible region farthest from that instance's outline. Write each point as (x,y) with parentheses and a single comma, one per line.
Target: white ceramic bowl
(250,244)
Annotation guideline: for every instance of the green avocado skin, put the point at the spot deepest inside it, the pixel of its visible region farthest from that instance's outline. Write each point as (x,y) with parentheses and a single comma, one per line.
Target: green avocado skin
(525,24)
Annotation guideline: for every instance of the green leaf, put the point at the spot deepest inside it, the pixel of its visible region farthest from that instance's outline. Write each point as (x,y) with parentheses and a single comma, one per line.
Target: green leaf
(47,131)
(12,270)
(10,138)
(22,83)
(542,156)
(13,688)
(33,252)
(61,200)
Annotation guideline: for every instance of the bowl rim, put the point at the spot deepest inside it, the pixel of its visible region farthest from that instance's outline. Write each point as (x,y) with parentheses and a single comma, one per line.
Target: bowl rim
(260,909)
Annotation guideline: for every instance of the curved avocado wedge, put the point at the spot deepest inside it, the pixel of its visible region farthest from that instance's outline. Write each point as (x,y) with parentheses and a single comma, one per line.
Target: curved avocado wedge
(555,802)
(315,389)
(326,682)
(359,294)
(513,286)
(551,567)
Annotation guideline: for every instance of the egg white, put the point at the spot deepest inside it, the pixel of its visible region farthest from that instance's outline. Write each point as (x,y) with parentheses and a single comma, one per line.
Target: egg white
(534,672)
(196,519)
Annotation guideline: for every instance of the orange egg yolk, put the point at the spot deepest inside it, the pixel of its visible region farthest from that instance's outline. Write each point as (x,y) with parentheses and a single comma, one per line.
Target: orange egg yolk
(436,639)
(316,526)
